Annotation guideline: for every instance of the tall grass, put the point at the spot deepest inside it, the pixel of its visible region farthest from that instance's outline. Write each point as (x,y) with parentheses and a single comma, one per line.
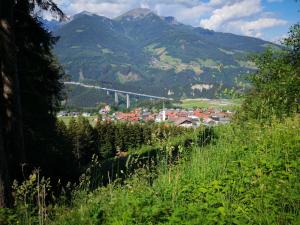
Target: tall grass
(247,175)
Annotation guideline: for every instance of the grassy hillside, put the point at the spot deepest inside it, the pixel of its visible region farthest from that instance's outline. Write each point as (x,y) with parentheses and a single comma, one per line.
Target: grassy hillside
(247,175)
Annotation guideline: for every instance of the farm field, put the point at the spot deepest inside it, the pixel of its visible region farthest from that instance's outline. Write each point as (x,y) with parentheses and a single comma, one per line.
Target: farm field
(222,104)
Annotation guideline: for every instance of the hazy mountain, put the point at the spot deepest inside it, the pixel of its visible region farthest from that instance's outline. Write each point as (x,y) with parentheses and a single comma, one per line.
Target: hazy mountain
(50,25)
(141,51)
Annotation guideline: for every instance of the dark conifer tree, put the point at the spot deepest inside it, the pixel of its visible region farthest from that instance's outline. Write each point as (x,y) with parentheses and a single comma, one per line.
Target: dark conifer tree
(119,137)
(74,137)
(27,69)
(65,161)
(12,146)
(87,141)
(106,138)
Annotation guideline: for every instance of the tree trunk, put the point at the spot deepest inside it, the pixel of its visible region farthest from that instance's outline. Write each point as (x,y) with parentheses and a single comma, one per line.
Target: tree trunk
(11,89)
(4,179)
(12,152)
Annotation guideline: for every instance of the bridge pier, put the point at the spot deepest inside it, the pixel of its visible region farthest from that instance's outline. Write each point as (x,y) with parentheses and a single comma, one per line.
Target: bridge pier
(127,101)
(116,98)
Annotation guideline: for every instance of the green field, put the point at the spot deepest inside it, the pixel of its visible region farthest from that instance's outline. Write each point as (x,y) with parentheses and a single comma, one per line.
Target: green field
(222,104)
(66,119)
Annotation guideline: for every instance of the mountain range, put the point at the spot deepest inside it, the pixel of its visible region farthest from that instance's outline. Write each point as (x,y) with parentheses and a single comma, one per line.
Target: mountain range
(143,52)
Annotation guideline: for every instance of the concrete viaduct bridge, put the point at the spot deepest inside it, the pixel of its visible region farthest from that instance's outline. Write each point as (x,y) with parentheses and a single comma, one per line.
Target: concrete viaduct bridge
(116,92)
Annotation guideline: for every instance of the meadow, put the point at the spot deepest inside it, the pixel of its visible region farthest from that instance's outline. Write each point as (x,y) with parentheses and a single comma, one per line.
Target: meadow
(222,104)
(247,174)
(66,119)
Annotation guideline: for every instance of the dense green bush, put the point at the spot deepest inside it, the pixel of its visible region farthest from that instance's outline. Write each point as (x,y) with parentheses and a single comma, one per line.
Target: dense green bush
(275,88)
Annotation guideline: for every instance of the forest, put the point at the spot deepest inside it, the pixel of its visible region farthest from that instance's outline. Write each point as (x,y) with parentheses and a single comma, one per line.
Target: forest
(122,173)
(78,142)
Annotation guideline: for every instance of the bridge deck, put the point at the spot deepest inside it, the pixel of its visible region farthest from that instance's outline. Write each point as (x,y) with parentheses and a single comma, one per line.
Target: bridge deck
(117,91)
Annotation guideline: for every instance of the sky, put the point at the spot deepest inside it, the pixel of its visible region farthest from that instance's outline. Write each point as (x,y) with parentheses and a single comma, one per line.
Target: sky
(266,19)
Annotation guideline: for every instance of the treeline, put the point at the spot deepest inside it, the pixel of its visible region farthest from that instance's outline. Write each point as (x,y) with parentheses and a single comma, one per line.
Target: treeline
(80,141)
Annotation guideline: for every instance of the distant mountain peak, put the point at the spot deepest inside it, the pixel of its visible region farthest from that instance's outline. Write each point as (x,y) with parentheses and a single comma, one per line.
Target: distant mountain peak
(171,20)
(136,13)
(86,13)
(83,13)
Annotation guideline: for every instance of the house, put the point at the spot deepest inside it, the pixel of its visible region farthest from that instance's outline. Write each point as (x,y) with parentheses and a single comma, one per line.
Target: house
(183,122)
(147,116)
(62,113)
(132,117)
(194,118)
(170,113)
(159,118)
(86,114)
(221,117)
(182,114)
(75,114)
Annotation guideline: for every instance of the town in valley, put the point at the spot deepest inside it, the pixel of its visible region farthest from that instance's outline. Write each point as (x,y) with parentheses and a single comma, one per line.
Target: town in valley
(189,118)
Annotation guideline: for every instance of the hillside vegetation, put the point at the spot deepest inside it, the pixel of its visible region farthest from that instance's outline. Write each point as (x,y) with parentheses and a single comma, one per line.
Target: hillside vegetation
(247,175)
(243,173)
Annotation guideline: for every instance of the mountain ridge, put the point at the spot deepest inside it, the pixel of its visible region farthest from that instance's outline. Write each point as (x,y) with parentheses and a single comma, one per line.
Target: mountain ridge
(140,50)
(134,13)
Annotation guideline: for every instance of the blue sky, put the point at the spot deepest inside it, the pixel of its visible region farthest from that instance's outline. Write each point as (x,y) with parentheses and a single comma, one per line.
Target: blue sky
(266,19)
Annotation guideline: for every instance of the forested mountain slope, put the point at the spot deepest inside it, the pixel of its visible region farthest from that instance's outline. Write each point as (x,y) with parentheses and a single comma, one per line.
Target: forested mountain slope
(144,52)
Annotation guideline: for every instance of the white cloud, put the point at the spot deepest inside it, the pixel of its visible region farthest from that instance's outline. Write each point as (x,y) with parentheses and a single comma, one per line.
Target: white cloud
(188,15)
(144,5)
(216,2)
(231,12)
(254,28)
(105,8)
(186,11)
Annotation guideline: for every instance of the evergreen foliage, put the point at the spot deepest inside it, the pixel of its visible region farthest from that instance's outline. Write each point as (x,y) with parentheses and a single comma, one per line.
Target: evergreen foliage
(40,88)
(30,91)
(110,137)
